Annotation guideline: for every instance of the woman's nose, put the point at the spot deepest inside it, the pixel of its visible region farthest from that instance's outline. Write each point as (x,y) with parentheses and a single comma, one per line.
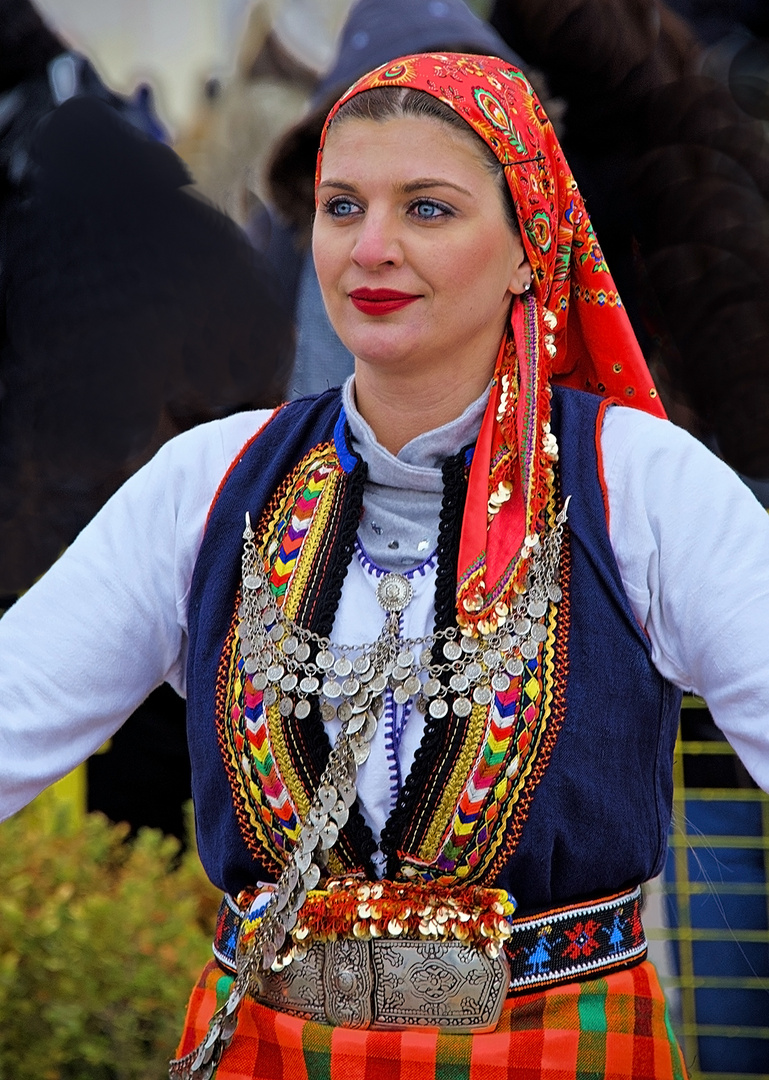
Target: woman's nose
(377,242)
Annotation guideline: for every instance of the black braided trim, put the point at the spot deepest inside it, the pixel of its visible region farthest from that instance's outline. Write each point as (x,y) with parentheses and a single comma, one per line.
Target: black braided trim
(431,751)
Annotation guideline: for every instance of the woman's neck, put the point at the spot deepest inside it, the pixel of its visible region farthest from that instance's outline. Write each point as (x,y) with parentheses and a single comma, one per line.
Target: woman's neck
(399,406)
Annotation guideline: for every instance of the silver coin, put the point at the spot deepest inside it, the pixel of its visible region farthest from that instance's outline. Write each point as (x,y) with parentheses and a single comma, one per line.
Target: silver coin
(278,936)
(332,689)
(303,860)
(482,695)
(328,835)
(298,897)
(292,875)
(400,695)
(405,659)
(288,683)
(245,647)
(259,681)
(361,664)
(251,664)
(426,657)
(309,684)
(501,682)
(452,651)
(326,796)
(522,627)
(469,644)
(270,696)
(554,592)
(492,658)
(327,711)
(286,706)
(302,653)
(289,919)
(459,682)
(473,671)
(302,710)
(514,666)
(462,706)
(356,722)
(275,672)
(361,699)
(325,659)
(317,817)
(281,896)
(412,685)
(348,793)
(368,729)
(431,687)
(344,711)
(252,581)
(277,632)
(538,633)
(290,644)
(536,608)
(378,684)
(311,876)
(242,611)
(308,838)
(269,952)
(400,673)
(438,708)
(340,813)
(529,649)
(350,687)
(367,675)
(343,667)
(506,642)
(360,752)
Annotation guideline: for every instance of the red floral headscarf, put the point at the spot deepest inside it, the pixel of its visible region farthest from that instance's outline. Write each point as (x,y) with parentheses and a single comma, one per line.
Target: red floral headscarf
(570,329)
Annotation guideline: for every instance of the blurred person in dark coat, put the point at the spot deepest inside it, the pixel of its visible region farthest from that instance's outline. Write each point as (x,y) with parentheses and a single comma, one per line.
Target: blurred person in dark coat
(675,173)
(130,309)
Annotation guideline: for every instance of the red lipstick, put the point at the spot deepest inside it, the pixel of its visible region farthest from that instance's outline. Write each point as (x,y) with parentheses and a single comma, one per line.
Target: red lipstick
(381,301)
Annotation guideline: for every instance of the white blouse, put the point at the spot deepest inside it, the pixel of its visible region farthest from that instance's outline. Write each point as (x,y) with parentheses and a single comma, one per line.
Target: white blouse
(108,623)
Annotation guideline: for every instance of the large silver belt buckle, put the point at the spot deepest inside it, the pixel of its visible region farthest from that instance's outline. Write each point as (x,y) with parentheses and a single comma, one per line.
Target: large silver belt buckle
(391,984)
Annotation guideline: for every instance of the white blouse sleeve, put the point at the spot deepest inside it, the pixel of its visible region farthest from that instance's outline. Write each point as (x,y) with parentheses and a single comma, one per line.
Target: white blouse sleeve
(107,623)
(692,544)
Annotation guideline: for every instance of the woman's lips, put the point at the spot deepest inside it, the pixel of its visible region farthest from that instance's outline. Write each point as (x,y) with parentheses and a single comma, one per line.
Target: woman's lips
(381,301)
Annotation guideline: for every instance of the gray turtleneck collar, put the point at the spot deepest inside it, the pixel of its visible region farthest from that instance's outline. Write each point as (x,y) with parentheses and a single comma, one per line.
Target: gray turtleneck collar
(403,493)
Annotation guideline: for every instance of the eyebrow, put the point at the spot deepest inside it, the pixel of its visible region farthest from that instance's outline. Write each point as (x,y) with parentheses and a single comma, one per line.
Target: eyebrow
(409,188)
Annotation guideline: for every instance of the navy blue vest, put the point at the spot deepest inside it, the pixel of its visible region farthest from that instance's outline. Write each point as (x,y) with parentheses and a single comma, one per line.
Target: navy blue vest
(599,816)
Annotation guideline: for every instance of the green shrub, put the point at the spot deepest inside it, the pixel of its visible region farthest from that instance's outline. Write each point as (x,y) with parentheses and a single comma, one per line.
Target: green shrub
(100,944)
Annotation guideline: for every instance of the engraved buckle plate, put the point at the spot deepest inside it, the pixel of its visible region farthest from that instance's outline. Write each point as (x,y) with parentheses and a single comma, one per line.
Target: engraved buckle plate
(389,984)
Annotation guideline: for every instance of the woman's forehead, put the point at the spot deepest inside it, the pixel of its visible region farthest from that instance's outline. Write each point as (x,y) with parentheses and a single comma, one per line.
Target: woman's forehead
(403,142)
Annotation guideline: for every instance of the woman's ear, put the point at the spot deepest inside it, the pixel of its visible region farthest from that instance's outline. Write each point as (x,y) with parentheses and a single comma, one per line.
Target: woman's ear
(522,275)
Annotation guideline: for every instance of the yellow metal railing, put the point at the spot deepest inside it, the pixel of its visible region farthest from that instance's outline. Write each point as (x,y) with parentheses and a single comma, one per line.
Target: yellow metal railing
(732,1006)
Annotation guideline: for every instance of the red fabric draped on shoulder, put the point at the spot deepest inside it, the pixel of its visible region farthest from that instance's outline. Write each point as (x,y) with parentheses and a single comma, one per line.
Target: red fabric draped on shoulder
(570,329)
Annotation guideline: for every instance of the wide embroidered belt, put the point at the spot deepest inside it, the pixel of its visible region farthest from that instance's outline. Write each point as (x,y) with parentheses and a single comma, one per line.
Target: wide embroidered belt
(394,982)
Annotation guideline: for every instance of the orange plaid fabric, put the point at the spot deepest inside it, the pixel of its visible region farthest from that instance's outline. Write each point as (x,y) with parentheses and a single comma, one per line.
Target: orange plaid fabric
(616,1028)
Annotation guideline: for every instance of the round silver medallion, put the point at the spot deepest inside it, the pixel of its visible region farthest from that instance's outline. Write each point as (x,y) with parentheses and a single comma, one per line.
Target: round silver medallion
(394,592)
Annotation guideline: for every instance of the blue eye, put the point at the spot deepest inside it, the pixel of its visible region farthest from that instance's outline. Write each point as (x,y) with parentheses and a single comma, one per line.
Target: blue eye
(341,207)
(427,210)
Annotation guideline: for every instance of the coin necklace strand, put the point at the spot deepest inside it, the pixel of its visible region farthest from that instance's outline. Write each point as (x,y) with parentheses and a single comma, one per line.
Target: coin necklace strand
(277,655)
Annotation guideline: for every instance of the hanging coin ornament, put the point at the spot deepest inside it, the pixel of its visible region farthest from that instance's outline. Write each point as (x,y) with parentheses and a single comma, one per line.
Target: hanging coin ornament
(394,592)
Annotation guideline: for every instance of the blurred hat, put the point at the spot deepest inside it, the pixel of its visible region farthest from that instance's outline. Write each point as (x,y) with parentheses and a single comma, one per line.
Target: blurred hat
(309,30)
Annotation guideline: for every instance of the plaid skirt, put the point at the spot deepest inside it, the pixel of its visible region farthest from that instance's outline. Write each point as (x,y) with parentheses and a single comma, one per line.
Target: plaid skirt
(615,1028)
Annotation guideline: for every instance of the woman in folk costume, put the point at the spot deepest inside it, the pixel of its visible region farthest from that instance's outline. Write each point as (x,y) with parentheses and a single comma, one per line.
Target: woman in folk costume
(435,627)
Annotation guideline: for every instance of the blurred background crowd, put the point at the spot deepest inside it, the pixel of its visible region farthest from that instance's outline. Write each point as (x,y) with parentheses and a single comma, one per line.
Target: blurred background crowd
(156,174)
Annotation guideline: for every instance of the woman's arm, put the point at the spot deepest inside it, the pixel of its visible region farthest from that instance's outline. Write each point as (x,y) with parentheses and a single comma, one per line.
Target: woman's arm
(692,544)
(107,623)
